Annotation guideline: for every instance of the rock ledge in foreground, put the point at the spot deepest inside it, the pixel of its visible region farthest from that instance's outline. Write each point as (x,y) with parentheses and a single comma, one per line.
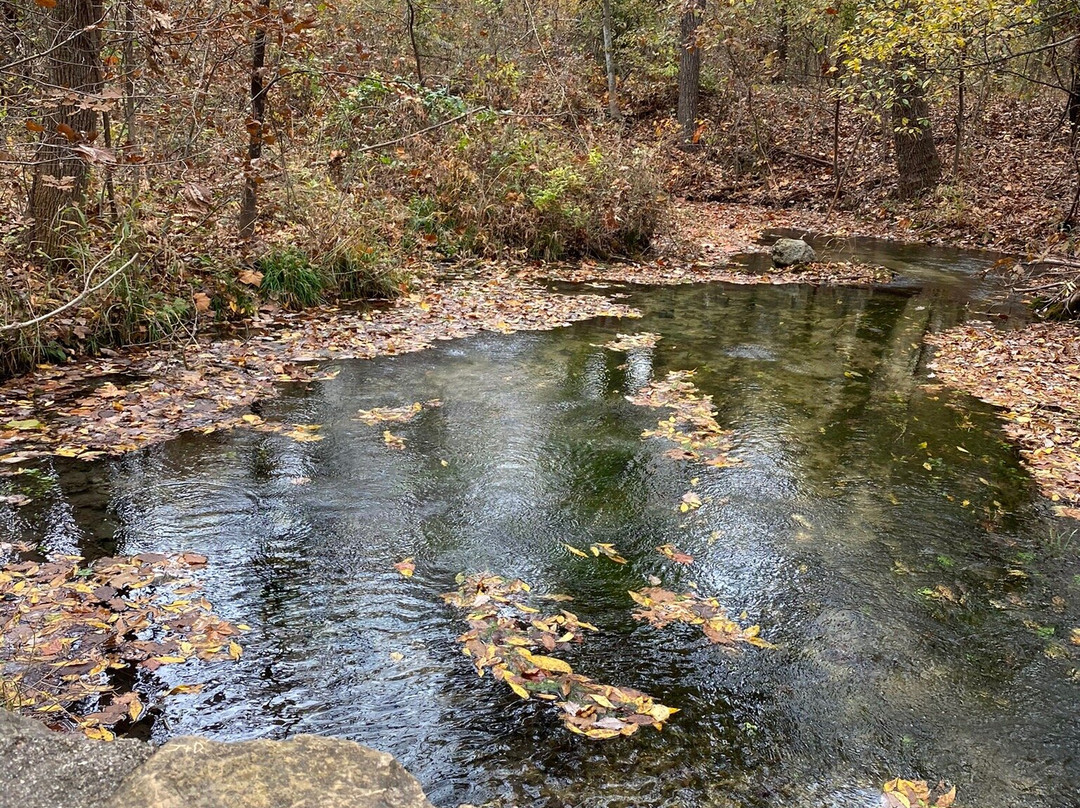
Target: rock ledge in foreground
(305,772)
(40,768)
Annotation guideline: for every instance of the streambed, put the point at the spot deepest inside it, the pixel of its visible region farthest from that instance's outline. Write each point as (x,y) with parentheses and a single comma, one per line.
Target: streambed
(880,531)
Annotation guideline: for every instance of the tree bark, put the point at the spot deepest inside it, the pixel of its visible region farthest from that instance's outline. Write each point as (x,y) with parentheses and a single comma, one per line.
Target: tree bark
(609,64)
(917,160)
(1073,106)
(961,111)
(689,68)
(249,204)
(61,175)
(410,21)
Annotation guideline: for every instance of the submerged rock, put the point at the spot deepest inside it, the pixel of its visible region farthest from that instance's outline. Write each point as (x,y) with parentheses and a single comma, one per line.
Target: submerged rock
(306,770)
(787,252)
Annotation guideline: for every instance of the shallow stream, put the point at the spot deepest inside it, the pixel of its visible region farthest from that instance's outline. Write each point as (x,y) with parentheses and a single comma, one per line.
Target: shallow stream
(880,531)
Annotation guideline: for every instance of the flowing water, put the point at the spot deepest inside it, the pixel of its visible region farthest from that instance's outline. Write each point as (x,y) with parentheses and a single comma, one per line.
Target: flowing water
(880,531)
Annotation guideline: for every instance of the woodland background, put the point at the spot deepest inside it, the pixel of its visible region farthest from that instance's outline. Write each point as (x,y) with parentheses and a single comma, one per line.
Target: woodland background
(170,164)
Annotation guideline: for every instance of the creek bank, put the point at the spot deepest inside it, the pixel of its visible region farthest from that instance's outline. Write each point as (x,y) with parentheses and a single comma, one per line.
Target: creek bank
(44,769)
(127,401)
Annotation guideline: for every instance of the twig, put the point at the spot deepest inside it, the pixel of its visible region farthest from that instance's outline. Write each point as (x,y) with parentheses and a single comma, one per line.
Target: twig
(438,125)
(86,291)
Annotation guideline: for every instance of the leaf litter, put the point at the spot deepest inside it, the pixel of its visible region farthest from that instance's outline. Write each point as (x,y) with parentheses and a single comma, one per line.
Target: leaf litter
(514,639)
(629,342)
(65,627)
(898,793)
(1033,376)
(692,426)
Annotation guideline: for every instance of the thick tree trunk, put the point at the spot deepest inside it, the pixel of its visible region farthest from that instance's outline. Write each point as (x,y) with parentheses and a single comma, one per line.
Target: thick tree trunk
(689,68)
(249,204)
(609,64)
(917,160)
(61,174)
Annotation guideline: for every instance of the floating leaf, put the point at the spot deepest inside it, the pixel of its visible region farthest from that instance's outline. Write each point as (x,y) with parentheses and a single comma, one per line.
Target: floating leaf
(672,552)
(514,641)
(406,567)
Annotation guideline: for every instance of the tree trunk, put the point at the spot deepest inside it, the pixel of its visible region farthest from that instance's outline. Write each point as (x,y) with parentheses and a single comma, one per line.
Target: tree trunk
(128,51)
(689,68)
(410,21)
(917,159)
(782,38)
(249,205)
(958,145)
(1073,107)
(609,64)
(61,174)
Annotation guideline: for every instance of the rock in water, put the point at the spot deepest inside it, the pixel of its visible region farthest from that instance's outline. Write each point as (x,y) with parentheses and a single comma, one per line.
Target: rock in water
(788,252)
(306,770)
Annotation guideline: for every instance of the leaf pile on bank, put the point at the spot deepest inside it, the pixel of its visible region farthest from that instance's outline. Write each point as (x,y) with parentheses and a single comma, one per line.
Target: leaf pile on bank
(1033,375)
(119,403)
(898,793)
(65,628)
(693,424)
(662,607)
(513,638)
(662,273)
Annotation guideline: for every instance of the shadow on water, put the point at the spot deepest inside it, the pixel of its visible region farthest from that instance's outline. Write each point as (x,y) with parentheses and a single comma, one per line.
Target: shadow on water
(880,531)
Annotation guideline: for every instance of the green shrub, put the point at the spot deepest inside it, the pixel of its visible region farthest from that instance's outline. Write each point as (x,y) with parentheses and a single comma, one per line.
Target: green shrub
(362,273)
(292,279)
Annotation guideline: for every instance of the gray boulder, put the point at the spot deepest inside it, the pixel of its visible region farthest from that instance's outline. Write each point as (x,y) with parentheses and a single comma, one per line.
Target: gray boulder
(789,252)
(304,772)
(46,769)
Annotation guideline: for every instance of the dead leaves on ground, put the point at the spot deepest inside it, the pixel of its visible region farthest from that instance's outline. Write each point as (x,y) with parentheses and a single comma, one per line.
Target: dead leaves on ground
(661,607)
(1033,375)
(137,398)
(898,793)
(64,628)
(513,639)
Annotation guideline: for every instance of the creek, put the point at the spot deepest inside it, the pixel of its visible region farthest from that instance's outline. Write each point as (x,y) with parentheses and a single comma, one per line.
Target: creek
(877,527)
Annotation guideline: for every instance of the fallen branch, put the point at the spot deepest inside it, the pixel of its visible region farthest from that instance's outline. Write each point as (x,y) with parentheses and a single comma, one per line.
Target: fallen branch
(403,138)
(87,290)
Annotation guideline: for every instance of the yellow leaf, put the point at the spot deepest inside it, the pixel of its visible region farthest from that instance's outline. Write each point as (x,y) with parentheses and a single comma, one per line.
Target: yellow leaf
(550,664)
(575,550)
(235,650)
(98,733)
(522,692)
